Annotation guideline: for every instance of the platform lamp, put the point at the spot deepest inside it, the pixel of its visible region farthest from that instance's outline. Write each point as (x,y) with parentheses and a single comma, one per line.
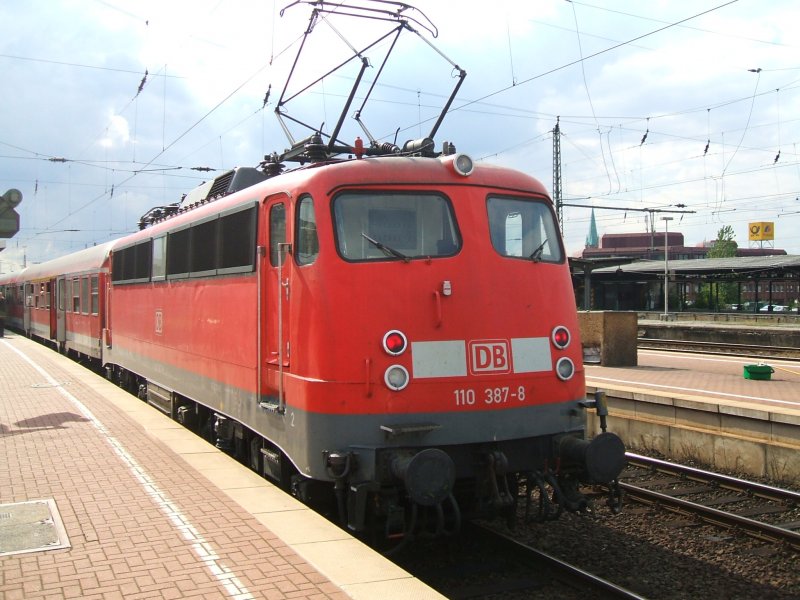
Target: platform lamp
(666,265)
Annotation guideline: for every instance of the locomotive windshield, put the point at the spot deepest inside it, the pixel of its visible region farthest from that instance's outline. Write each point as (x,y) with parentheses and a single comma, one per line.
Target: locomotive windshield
(394,226)
(523,229)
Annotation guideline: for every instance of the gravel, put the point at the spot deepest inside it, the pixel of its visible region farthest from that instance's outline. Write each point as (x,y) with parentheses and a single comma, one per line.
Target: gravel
(661,555)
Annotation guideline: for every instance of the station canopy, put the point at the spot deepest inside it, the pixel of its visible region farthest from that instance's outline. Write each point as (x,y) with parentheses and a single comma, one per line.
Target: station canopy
(735,267)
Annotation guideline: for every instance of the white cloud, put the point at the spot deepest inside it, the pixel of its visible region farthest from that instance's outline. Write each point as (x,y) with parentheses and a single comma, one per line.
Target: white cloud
(77,98)
(117,133)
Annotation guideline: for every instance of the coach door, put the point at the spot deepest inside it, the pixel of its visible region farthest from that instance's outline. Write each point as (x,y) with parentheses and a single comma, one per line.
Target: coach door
(61,310)
(27,299)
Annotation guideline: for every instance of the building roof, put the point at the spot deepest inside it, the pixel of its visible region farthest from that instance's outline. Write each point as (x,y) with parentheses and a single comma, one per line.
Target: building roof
(749,266)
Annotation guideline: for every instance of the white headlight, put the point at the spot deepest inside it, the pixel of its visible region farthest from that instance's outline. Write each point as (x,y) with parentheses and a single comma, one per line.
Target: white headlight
(463,164)
(565,368)
(396,377)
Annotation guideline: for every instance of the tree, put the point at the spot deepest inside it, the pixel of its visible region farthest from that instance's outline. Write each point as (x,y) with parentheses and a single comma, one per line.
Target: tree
(724,246)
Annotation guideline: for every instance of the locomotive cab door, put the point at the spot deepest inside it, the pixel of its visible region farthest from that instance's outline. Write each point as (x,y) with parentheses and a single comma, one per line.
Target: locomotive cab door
(276,269)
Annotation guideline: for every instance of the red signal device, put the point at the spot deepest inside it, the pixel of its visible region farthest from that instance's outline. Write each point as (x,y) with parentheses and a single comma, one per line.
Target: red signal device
(394,342)
(561,337)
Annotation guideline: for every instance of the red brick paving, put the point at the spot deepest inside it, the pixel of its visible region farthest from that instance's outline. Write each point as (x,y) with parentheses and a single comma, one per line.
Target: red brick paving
(122,544)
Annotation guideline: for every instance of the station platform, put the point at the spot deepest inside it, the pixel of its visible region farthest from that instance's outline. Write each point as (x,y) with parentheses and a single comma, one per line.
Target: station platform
(702,407)
(103,497)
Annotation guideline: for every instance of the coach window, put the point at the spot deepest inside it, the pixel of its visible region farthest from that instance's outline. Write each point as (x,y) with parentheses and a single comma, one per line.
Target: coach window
(85,295)
(76,295)
(306,240)
(62,291)
(524,229)
(95,295)
(277,233)
(159,268)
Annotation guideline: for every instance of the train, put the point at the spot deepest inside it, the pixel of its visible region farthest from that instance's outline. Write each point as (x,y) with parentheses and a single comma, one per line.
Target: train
(395,333)
(388,332)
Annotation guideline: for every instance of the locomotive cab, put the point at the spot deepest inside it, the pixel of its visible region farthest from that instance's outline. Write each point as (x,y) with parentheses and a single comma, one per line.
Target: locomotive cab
(444,369)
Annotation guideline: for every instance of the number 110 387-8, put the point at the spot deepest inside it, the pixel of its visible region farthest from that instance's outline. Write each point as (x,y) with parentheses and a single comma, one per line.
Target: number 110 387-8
(490,395)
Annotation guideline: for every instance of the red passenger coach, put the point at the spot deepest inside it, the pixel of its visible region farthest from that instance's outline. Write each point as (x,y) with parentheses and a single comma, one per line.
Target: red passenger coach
(62,301)
(13,288)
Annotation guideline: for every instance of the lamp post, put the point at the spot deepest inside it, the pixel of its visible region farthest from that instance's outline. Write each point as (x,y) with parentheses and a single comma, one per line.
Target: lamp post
(666,265)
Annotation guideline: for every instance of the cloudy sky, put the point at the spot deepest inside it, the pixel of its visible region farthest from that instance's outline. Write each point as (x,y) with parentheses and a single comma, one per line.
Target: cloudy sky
(679,105)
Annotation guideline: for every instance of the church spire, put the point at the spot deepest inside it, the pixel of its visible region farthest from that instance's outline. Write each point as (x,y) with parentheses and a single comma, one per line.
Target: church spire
(592,240)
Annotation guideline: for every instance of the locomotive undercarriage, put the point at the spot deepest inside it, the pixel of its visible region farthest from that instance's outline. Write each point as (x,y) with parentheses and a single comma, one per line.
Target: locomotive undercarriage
(409,492)
(429,492)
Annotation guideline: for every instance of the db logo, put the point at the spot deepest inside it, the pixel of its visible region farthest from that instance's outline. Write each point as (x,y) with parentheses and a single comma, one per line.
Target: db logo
(489,356)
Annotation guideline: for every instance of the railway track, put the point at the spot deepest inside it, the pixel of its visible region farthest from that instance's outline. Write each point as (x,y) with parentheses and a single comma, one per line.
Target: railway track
(759,510)
(776,352)
(485,563)
(592,585)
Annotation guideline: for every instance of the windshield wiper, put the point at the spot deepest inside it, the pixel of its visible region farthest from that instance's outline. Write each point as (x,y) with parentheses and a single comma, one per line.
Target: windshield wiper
(536,255)
(385,249)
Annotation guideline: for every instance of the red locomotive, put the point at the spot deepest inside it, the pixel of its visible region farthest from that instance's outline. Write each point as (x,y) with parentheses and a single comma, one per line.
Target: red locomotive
(401,327)
(396,330)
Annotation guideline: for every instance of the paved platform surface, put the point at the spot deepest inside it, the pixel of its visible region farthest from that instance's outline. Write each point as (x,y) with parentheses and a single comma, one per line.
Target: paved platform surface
(713,378)
(148,509)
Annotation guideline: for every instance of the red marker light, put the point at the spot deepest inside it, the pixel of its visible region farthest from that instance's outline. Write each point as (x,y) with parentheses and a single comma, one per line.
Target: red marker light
(395,342)
(561,337)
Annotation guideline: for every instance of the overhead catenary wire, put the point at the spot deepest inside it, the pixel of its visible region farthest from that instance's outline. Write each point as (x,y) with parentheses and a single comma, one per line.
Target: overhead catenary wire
(622,129)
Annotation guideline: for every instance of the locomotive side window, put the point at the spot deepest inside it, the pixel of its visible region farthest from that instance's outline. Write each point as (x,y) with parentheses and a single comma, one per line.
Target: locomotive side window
(178,253)
(524,229)
(306,238)
(237,240)
(159,268)
(132,264)
(392,226)
(205,243)
(219,245)
(277,234)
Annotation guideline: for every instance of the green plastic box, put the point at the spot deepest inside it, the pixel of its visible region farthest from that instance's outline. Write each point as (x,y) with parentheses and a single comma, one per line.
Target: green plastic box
(758,371)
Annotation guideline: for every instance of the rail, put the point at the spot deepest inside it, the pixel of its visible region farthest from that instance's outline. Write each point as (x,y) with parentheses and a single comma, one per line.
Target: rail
(756,351)
(564,571)
(757,529)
